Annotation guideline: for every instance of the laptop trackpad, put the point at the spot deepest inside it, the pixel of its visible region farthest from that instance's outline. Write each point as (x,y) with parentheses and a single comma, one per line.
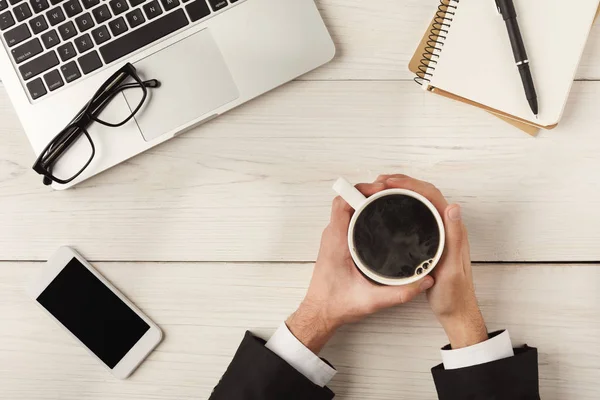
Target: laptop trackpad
(194,80)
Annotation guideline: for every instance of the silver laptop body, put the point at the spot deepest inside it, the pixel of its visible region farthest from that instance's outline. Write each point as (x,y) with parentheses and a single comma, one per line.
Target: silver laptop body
(209,55)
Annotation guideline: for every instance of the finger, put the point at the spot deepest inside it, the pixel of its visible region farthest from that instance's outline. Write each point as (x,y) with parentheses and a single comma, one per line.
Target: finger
(466,254)
(455,236)
(390,296)
(425,189)
(341,213)
(384,177)
(467,245)
(369,189)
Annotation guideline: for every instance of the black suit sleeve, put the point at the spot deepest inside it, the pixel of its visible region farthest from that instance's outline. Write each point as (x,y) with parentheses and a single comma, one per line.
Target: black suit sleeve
(256,373)
(514,378)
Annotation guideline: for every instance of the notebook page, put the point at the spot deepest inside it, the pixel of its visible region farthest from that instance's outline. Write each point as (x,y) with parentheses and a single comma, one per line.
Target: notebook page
(477,60)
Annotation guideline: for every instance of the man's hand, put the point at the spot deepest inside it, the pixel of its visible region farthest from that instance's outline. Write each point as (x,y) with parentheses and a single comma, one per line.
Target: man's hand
(338,293)
(452,299)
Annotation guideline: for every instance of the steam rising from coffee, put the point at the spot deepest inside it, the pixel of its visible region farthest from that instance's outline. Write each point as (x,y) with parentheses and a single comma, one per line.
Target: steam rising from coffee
(395,234)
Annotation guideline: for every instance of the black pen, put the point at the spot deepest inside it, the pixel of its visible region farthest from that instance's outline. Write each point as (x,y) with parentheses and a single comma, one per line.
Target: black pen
(509,13)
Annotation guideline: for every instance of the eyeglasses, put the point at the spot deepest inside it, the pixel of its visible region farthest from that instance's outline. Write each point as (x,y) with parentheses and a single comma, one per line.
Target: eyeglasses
(75,138)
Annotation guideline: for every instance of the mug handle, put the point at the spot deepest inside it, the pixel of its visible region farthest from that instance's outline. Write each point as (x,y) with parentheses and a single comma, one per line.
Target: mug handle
(348,192)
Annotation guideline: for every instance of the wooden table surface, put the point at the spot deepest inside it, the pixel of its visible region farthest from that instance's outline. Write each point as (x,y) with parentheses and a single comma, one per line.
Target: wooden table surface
(215,231)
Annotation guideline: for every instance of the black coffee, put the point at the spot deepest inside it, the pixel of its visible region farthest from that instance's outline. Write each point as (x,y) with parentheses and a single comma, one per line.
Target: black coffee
(395,234)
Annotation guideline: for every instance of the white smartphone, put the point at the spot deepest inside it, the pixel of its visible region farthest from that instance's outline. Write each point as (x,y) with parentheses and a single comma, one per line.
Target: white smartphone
(94,312)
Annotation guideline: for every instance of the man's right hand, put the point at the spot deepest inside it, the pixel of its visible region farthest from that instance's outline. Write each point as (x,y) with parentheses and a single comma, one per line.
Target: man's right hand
(452,298)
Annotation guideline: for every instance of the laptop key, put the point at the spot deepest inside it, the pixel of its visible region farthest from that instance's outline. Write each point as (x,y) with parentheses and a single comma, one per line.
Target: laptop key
(168,5)
(90,62)
(17,35)
(38,24)
(152,9)
(55,16)
(100,35)
(84,22)
(84,43)
(135,3)
(27,50)
(135,17)
(38,65)
(118,6)
(54,80)
(67,30)
(143,36)
(70,71)
(117,26)
(197,10)
(101,13)
(66,51)
(90,3)
(50,39)
(39,5)
(13,2)
(218,4)
(3,5)
(72,8)
(22,12)
(6,20)
(55,2)
(36,88)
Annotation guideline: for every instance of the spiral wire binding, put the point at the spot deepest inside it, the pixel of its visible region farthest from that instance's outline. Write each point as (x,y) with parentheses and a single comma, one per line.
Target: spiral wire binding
(435,43)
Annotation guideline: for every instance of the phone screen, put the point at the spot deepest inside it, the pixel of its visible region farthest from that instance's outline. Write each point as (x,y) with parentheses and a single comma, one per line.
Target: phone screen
(93,313)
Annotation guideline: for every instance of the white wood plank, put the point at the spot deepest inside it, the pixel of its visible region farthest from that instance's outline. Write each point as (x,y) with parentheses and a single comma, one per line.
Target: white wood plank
(204,310)
(255,184)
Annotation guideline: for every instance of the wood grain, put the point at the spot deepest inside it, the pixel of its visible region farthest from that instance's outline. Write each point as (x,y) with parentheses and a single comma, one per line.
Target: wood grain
(204,310)
(255,184)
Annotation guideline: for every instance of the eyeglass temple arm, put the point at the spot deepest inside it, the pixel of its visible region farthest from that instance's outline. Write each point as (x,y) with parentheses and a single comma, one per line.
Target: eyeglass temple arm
(104,98)
(152,83)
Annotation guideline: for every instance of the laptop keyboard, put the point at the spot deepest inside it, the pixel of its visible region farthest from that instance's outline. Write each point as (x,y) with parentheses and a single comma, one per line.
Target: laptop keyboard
(57,42)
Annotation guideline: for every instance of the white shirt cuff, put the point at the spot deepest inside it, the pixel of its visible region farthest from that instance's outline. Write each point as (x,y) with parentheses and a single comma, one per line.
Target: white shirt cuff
(291,350)
(494,349)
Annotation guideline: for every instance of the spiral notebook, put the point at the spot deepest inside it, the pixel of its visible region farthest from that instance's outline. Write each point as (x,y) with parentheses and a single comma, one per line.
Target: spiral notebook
(466,55)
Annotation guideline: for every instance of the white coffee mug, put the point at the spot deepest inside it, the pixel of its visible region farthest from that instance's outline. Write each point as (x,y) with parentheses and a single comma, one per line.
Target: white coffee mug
(359,203)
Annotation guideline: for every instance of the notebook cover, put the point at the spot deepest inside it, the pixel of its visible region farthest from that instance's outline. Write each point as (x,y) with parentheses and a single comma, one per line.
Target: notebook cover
(518,123)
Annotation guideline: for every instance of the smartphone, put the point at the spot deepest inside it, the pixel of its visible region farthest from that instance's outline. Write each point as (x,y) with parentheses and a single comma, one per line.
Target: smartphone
(94,312)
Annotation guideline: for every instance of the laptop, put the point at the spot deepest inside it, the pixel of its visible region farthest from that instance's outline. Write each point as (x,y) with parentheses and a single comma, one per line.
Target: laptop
(210,56)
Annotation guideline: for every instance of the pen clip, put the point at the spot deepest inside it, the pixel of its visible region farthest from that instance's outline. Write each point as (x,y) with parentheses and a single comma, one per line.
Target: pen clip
(498,9)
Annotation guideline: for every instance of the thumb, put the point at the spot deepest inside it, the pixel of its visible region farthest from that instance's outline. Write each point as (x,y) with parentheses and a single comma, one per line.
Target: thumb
(396,295)
(455,235)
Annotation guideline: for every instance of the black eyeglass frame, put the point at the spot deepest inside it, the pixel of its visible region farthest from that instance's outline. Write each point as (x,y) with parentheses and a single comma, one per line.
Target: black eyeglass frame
(90,113)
